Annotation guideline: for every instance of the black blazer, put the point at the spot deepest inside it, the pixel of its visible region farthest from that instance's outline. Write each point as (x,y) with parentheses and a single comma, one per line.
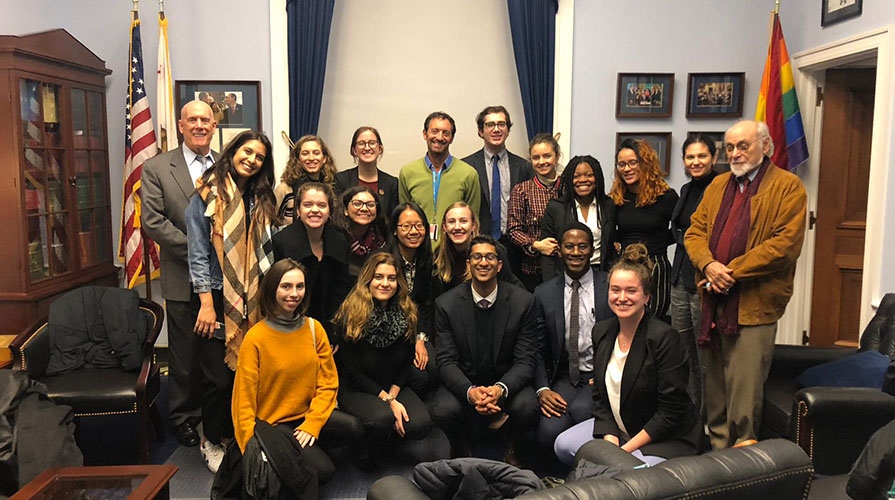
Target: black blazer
(557,216)
(388,188)
(654,387)
(327,281)
(549,297)
(520,171)
(515,338)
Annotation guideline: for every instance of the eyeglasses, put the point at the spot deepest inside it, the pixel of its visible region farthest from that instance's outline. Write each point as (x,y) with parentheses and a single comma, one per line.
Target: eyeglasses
(357,204)
(477,257)
(741,146)
(407,227)
(367,144)
(496,125)
(633,164)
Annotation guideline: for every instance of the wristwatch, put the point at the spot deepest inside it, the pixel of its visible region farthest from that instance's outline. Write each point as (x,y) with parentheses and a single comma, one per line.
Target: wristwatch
(422,336)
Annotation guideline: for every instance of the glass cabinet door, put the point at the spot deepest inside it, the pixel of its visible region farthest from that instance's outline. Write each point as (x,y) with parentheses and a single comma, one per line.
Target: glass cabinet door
(45,179)
(65,181)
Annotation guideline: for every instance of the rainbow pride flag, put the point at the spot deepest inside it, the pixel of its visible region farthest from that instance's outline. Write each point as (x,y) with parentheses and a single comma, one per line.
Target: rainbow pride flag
(778,106)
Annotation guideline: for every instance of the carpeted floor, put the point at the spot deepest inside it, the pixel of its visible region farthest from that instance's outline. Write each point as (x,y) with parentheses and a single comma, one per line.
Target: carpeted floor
(110,440)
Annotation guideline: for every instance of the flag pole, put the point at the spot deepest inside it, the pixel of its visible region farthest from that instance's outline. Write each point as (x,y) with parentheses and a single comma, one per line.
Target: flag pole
(777,7)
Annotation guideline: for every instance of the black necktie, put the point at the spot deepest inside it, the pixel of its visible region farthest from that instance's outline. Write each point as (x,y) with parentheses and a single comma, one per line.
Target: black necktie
(574,373)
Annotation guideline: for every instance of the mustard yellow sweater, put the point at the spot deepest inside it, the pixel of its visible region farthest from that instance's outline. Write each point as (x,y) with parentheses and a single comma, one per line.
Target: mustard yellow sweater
(282,377)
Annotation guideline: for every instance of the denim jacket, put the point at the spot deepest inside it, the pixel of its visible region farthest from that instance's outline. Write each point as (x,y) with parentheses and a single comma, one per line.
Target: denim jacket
(205,270)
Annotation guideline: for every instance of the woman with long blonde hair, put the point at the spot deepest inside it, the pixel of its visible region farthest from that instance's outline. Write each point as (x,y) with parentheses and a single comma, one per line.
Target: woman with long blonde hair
(378,322)
(644,205)
(460,225)
(309,161)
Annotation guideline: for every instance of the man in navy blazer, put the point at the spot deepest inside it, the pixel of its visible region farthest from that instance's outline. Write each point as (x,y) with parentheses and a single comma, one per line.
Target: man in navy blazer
(486,344)
(494,126)
(562,402)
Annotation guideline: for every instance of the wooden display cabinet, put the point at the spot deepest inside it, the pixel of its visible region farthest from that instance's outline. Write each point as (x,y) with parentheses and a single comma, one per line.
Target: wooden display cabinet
(54,166)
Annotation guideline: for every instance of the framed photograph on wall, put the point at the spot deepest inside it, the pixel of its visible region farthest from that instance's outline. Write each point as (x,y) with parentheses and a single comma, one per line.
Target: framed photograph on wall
(834,11)
(715,95)
(644,95)
(660,141)
(236,105)
(722,165)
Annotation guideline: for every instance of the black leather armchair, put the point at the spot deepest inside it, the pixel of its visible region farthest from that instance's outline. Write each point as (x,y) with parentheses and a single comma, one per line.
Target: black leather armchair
(98,392)
(832,424)
(770,469)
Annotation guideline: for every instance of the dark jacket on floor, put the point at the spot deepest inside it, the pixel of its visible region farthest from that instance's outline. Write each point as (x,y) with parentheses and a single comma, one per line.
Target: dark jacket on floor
(35,433)
(474,479)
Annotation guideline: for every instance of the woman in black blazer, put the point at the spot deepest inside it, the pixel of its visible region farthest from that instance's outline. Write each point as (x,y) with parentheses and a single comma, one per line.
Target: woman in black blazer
(582,189)
(317,241)
(640,375)
(366,149)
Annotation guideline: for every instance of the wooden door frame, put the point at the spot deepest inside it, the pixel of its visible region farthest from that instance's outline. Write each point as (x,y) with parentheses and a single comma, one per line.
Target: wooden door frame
(809,68)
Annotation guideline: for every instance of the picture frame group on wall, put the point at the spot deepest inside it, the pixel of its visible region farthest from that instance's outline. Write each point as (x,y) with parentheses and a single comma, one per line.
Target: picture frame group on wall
(660,141)
(644,95)
(723,164)
(835,11)
(236,105)
(715,95)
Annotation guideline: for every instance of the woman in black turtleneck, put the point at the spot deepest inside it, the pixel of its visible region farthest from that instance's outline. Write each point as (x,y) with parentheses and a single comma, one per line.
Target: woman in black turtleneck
(700,156)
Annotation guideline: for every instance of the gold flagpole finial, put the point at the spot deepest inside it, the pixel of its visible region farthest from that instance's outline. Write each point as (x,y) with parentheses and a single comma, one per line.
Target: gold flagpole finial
(777,7)
(135,4)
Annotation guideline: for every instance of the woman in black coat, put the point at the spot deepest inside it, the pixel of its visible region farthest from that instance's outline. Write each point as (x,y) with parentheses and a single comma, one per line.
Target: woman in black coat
(582,199)
(317,242)
(640,375)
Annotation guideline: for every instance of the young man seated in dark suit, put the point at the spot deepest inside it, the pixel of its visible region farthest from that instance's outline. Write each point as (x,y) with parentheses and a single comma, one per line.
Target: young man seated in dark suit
(486,344)
(568,307)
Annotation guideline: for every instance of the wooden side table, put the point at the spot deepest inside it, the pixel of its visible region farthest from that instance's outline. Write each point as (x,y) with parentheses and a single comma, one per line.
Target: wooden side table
(134,482)
(5,352)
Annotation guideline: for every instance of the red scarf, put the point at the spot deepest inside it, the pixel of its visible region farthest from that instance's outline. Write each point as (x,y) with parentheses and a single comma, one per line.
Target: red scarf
(728,241)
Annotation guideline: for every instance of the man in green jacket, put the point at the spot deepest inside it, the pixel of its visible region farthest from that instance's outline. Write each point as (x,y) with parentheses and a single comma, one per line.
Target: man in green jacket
(437,180)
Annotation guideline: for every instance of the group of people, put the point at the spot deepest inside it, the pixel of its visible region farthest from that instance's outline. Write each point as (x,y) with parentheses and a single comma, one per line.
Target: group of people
(490,294)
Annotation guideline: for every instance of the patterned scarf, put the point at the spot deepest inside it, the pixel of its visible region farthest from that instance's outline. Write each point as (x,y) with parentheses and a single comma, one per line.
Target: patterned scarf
(385,325)
(728,321)
(368,243)
(245,253)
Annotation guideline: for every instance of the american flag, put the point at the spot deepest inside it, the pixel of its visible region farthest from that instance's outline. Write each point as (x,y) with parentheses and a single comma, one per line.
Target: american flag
(139,146)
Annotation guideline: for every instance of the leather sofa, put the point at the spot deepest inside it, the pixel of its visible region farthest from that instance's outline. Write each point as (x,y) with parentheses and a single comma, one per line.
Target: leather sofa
(775,468)
(832,424)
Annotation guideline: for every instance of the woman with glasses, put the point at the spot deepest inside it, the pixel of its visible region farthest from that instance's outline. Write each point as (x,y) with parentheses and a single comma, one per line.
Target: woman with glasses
(460,225)
(378,321)
(526,207)
(582,198)
(412,249)
(644,204)
(366,226)
(366,149)
(317,241)
(700,155)
(309,161)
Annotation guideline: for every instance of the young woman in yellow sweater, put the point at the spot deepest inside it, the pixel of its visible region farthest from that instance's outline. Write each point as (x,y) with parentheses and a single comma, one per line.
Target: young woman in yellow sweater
(286,374)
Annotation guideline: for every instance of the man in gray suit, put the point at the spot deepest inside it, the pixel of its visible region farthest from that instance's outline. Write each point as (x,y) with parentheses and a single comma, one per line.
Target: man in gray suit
(169,181)
(494,126)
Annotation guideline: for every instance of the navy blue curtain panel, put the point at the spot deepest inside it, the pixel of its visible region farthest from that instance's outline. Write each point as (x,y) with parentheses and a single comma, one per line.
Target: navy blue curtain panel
(533,27)
(308,27)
